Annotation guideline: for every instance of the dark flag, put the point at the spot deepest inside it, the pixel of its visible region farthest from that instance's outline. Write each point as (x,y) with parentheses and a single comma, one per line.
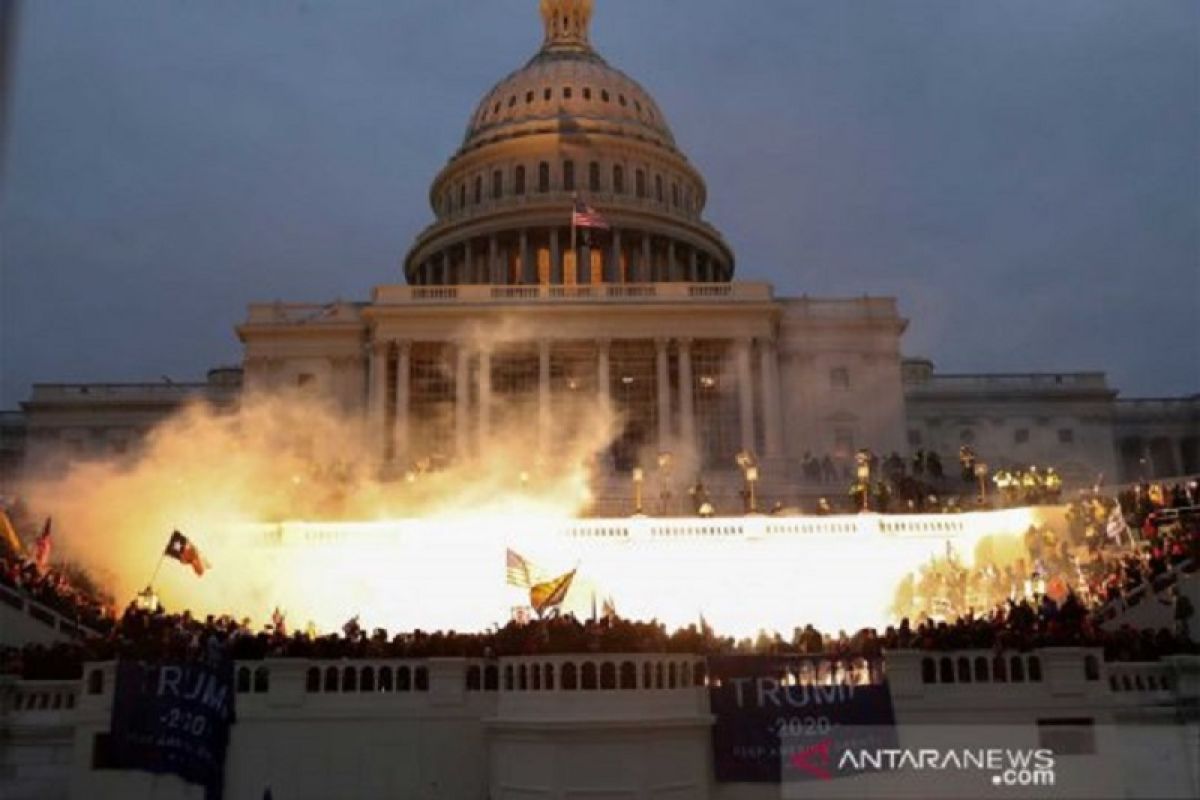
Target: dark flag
(183,551)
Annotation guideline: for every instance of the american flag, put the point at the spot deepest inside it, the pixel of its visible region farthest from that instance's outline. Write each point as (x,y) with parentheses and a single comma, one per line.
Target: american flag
(584,216)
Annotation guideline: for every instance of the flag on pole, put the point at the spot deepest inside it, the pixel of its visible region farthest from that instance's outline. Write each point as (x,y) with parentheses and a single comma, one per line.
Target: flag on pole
(42,547)
(9,534)
(1117,525)
(519,571)
(183,551)
(547,595)
(584,216)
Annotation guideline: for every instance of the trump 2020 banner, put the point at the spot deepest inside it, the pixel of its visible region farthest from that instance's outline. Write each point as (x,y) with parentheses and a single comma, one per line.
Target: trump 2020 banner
(174,718)
(776,710)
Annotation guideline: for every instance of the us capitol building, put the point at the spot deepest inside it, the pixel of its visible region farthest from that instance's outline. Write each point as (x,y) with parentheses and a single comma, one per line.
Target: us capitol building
(507,313)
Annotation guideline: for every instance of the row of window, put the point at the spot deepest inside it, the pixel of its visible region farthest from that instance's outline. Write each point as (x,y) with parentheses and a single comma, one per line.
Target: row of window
(366,679)
(587,677)
(1020,436)
(520,184)
(999,669)
(493,112)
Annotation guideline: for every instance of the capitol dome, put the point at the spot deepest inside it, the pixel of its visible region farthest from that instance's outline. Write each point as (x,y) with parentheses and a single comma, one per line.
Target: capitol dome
(567,128)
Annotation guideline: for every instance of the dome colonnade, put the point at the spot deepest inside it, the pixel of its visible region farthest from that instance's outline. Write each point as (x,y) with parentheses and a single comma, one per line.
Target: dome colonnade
(567,126)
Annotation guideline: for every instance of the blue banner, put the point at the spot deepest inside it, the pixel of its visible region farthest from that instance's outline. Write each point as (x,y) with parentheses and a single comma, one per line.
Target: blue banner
(174,718)
(772,711)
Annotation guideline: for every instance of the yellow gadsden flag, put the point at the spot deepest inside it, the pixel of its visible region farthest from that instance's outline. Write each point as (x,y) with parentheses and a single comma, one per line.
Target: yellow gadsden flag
(547,595)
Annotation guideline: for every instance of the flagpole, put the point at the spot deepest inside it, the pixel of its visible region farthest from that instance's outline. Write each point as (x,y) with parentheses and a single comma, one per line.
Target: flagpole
(157,567)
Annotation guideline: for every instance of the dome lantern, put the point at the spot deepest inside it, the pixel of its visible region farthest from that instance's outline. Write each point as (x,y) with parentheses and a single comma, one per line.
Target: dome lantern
(566,24)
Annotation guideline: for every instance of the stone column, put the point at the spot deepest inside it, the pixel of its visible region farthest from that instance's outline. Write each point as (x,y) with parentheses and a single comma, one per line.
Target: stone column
(672,267)
(583,265)
(543,394)
(556,264)
(771,409)
(400,434)
(687,409)
(745,393)
(693,275)
(378,394)
(645,269)
(528,274)
(612,271)
(485,397)
(462,397)
(468,268)
(444,272)
(603,370)
(494,260)
(663,384)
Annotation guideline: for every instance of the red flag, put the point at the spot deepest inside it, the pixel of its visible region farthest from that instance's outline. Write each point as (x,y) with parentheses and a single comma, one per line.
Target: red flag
(42,547)
(183,551)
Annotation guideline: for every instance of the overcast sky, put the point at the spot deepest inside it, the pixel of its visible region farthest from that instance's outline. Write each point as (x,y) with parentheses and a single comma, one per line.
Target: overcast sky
(1023,175)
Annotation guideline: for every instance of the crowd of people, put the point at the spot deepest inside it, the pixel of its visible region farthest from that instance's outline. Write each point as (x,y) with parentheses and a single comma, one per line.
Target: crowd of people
(70,595)
(1056,592)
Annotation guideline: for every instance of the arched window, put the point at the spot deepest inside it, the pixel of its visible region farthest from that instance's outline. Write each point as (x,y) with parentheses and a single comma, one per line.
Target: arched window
(608,676)
(1035,669)
(594,176)
(700,673)
(928,671)
(1091,668)
(243,680)
(1017,669)
(331,679)
(491,678)
(385,679)
(964,669)
(350,679)
(262,680)
(685,674)
(672,676)
(543,177)
(478,189)
(523,678)
(618,179)
(473,679)
(647,676)
(569,676)
(569,176)
(589,675)
(549,672)
(999,670)
(946,670)
(462,196)
(421,679)
(658,188)
(367,679)
(659,681)
(639,181)
(536,677)
(981,669)
(312,680)
(587,93)
(547,93)
(509,682)
(403,679)
(497,184)
(675,194)
(628,675)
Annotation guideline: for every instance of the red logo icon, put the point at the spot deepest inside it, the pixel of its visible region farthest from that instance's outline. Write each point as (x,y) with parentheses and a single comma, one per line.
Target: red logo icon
(814,760)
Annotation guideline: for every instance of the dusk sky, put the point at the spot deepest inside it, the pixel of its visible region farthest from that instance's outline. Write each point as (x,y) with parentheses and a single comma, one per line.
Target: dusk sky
(1024,176)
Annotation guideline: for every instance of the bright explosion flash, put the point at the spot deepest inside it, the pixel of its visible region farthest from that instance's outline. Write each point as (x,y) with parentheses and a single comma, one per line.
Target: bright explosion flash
(430,553)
